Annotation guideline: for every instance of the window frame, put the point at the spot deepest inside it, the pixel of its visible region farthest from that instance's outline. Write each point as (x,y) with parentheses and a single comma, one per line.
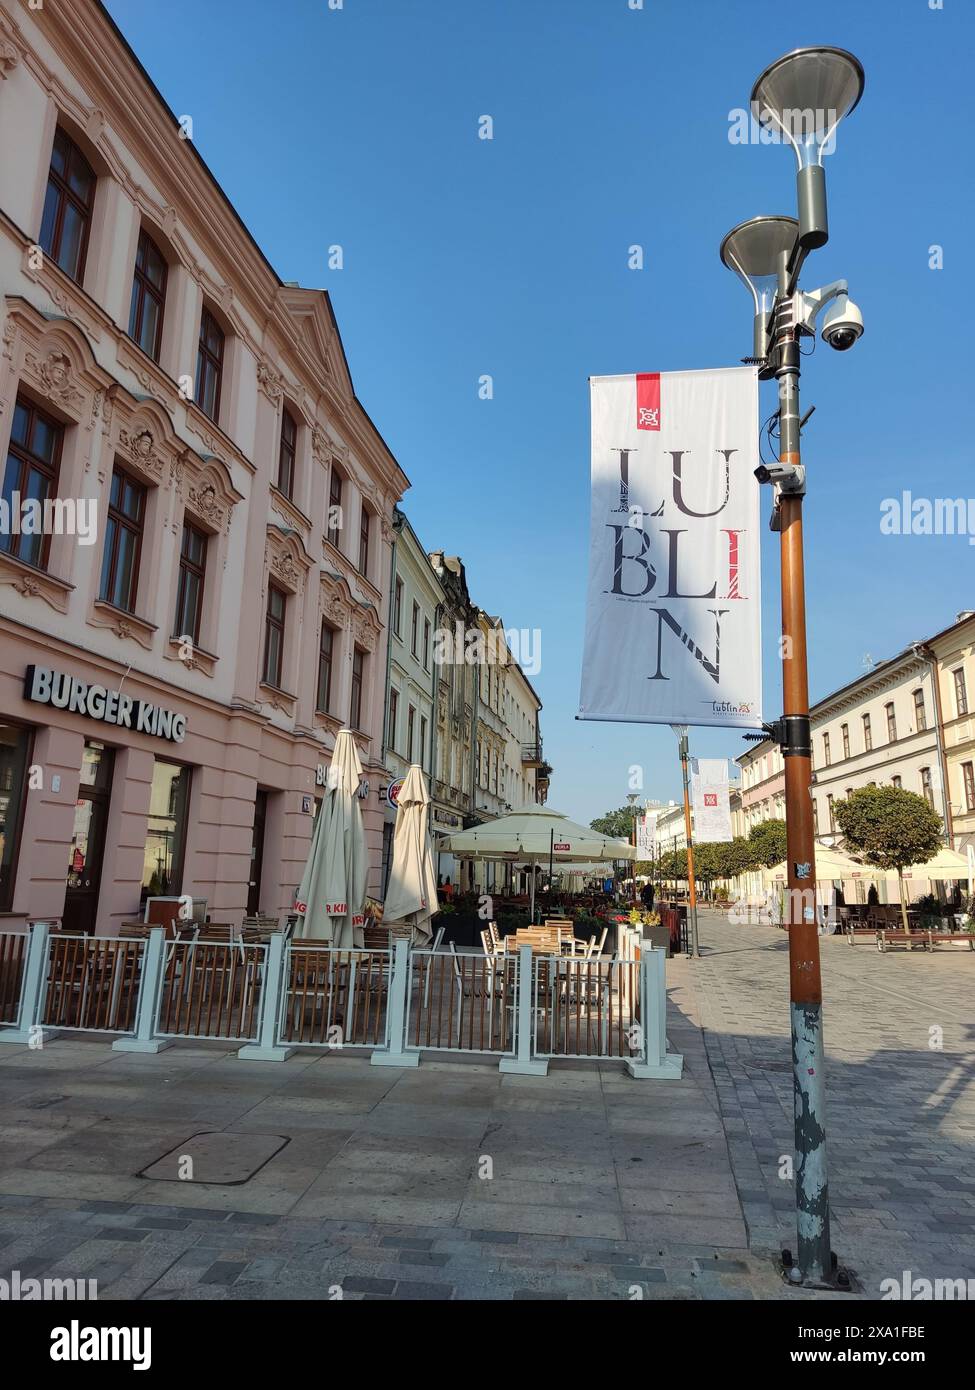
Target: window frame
(204,354)
(398,607)
(188,566)
(123,522)
(867,734)
(278,625)
(358,686)
(393,717)
(415,630)
(961,691)
(891,714)
(143,286)
(335,485)
(845,736)
(920,712)
(328,658)
(968,785)
(67,194)
(27,461)
(287,448)
(365,527)
(410,731)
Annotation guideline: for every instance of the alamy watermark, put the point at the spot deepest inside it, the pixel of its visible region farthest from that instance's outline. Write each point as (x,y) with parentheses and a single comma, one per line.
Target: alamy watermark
(908,515)
(798,125)
(54,516)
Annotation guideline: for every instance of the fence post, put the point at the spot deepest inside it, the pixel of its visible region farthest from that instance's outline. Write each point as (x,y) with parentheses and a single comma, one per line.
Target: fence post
(395,1054)
(33,993)
(656,1063)
(267,1048)
(523,1063)
(150,983)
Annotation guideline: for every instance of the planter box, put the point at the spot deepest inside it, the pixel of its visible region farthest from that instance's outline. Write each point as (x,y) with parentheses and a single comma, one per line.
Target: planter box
(658,937)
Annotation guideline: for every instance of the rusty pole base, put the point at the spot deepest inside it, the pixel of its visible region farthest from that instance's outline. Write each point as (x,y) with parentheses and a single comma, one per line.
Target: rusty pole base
(839,1280)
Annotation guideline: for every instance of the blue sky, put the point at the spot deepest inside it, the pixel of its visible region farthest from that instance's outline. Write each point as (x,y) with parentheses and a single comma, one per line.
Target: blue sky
(508,257)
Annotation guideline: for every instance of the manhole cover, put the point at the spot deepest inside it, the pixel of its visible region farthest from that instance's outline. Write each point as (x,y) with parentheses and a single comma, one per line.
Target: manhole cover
(227,1159)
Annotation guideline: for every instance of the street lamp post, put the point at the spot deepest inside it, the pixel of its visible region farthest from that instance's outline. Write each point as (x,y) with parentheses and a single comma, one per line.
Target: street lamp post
(633,798)
(803,97)
(681,730)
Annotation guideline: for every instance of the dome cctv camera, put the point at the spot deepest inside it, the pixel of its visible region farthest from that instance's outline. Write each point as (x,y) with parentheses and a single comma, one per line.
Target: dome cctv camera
(842,323)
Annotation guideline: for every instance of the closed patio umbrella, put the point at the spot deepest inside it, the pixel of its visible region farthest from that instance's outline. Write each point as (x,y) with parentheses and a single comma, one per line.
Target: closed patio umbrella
(333,887)
(412,893)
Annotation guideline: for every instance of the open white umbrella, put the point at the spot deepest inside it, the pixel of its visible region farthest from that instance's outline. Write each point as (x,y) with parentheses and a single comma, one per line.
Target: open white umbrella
(539,836)
(333,887)
(411,896)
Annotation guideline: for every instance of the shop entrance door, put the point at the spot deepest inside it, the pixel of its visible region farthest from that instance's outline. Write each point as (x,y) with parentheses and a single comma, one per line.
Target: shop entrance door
(88,838)
(257,854)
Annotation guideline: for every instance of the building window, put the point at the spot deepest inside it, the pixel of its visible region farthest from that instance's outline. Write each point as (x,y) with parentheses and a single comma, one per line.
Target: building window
(209,365)
(70,197)
(192,573)
(364,541)
(494,779)
(334,507)
(326,650)
(358,671)
(826,756)
(123,541)
(426,644)
(896,782)
(423,741)
(15,757)
(815,807)
(148,296)
(845,733)
(410,721)
(33,463)
(920,718)
(415,629)
(927,790)
(968,773)
(277,602)
(393,717)
(891,723)
(477,764)
(829,808)
(287,453)
(961,692)
(398,608)
(169,804)
(867,734)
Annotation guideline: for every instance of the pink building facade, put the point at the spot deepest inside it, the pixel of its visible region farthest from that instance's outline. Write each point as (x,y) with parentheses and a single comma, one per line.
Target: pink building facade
(207,603)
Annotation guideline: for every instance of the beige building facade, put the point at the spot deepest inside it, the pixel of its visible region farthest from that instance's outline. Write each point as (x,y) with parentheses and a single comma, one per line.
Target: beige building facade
(172,681)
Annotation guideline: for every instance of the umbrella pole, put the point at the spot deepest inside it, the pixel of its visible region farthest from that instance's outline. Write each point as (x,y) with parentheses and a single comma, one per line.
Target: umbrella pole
(532,918)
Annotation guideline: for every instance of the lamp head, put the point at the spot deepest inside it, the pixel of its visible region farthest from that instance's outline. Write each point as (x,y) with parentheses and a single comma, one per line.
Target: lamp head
(804,95)
(754,251)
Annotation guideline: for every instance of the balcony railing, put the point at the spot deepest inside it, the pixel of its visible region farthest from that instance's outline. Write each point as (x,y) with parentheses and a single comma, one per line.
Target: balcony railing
(531,754)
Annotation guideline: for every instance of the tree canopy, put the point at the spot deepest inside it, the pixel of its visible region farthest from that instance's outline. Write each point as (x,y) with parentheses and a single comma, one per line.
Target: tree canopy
(617,824)
(889,827)
(768,842)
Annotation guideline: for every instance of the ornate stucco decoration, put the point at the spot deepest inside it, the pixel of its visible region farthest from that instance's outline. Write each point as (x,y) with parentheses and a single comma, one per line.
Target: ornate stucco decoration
(140,446)
(9,58)
(269,382)
(54,373)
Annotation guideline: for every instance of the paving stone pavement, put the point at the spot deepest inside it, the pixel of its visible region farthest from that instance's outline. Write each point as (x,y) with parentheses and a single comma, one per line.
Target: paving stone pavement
(900,1055)
(453,1181)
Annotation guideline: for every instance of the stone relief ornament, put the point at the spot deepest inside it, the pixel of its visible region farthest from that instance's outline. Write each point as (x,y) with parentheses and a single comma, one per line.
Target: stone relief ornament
(9,58)
(54,374)
(141,449)
(286,569)
(269,382)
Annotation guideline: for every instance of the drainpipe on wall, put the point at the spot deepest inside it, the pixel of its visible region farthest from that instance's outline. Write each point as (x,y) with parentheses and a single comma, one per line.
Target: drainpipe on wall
(397,527)
(434,706)
(926,652)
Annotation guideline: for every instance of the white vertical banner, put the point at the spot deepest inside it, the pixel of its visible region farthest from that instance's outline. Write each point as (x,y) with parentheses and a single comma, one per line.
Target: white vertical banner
(710,800)
(646,829)
(673,616)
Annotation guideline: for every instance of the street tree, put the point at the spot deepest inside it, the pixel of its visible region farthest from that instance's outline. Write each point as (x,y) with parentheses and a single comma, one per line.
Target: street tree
(890,828)
(617,824)
(768,841)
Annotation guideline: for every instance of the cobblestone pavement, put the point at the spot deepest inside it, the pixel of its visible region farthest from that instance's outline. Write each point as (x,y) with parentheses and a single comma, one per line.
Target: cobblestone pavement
(453,1181)
(900,1051)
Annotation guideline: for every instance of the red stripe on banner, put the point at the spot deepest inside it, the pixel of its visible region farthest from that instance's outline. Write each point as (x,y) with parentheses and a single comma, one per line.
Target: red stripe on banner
(648,400)
(734,565)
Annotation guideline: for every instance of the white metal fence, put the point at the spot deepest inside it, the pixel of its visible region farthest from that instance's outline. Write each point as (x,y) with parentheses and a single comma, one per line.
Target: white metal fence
(273,998)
